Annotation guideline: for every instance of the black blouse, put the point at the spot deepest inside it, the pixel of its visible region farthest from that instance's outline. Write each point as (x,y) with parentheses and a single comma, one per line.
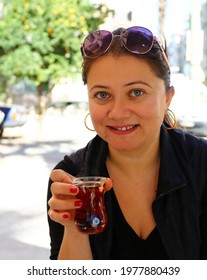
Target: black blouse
(127,245)
(180,209)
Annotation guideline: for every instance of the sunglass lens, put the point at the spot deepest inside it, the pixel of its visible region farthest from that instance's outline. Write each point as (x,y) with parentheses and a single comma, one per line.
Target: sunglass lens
(137,39)
(97,43)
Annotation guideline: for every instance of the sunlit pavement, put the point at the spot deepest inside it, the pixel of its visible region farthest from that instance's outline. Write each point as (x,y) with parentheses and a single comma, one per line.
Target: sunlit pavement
(27,156)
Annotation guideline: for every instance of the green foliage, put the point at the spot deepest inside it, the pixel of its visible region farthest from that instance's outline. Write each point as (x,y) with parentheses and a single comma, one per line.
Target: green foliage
(40,39)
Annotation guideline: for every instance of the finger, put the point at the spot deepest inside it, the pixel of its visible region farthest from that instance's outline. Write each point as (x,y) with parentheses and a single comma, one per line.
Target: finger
(64,204)
(64,218)
(63,189)
(108,184)
(59,175)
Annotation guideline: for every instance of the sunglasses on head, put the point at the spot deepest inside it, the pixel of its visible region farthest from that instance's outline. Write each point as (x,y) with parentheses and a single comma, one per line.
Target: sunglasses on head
(136,39)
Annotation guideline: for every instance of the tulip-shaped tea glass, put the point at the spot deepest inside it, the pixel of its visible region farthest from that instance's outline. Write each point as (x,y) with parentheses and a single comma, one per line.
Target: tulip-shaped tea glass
(91,217)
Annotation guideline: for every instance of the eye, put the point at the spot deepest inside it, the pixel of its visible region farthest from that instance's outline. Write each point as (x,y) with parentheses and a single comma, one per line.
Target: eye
(136,92)
(102,95)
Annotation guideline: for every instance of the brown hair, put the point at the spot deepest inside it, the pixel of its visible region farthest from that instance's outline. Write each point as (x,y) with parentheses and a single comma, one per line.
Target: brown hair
(154,58)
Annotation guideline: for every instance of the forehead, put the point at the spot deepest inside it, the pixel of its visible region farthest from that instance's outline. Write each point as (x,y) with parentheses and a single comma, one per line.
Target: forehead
(116,71)
(110,66)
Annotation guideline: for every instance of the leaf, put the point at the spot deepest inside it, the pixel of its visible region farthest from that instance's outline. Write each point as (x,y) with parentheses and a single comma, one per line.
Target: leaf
(40,39)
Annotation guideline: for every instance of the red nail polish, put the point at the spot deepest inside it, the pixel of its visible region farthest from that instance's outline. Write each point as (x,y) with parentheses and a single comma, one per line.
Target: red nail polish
(74,190)
(78,203)
(65,216)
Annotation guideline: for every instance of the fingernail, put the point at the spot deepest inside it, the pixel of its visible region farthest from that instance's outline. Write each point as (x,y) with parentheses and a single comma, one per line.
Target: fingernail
(65,216)
(74,190)
(78,203)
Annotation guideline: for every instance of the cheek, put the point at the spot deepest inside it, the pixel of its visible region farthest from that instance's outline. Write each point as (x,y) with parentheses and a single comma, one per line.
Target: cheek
(97,115)
(154,110)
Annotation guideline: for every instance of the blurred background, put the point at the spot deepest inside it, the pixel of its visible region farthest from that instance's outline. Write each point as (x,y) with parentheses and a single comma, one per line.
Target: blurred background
(43,101)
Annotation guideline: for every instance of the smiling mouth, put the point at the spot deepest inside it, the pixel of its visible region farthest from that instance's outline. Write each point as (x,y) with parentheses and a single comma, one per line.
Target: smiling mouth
(123,128)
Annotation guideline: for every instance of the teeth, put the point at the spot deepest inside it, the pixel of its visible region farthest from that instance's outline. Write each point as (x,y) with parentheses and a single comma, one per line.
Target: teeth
(125,128)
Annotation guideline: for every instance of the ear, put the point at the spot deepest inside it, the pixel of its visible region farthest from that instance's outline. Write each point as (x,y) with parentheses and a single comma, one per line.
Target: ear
(169,95)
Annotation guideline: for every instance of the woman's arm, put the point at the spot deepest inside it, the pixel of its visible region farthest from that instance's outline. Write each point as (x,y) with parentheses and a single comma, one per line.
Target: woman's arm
(74,245)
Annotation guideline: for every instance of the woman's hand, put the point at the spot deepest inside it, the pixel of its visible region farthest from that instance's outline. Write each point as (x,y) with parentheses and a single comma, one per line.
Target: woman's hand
(63,201)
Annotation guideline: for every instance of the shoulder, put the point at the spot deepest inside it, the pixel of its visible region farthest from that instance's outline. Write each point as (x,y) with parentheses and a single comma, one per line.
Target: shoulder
(188,147)
(187,140)
(186,154)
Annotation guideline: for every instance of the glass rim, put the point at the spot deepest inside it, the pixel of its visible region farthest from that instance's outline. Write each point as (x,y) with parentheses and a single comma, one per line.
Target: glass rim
(86,179)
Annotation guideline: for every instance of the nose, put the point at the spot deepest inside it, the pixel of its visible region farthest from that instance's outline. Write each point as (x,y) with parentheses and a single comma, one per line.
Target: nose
(119,109)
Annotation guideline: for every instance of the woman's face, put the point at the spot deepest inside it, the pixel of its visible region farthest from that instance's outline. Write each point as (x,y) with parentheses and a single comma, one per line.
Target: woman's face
(127,102)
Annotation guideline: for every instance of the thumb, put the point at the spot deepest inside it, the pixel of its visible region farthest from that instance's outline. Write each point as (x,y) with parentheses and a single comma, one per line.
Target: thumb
(108,184)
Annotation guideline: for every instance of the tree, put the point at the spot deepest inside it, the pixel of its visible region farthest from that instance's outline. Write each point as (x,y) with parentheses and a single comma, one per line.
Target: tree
(40,39)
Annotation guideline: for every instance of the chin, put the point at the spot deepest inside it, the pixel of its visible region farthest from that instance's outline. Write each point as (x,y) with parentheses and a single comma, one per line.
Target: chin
(125,147)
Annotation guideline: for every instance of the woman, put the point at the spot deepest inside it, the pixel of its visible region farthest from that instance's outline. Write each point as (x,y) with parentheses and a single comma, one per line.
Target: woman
(157,208)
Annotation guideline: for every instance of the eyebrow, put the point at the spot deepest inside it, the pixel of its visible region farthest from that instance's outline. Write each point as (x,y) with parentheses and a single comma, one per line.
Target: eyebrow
(98,86)
(138,82)
(126,85)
